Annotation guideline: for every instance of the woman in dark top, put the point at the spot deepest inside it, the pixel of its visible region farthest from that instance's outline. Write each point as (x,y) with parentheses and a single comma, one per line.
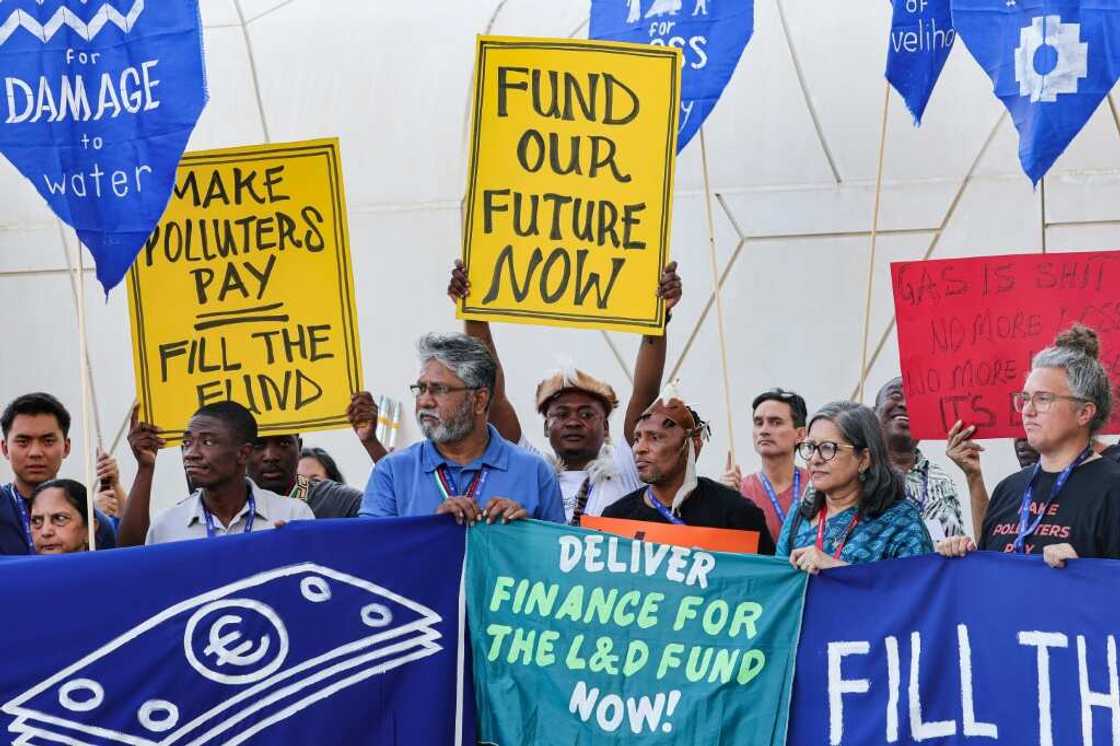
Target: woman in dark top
(1068,504)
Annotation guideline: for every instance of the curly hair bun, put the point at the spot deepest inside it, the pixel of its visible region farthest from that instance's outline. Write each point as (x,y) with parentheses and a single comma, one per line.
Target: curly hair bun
(1081,338)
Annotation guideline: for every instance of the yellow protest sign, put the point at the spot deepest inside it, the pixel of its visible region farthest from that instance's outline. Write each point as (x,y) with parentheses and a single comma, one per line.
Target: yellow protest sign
(570,186)
(244,291)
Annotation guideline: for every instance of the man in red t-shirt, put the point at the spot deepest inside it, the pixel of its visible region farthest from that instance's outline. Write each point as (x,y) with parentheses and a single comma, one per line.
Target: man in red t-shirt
(779,425)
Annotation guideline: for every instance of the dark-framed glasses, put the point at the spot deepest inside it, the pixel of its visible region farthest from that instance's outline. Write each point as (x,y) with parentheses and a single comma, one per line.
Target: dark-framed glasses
(826,448)
(437,389)
(1042,401)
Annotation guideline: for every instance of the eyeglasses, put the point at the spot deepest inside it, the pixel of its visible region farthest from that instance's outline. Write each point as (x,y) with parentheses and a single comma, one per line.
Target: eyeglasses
(1042,401)
(437,389)
(827,449)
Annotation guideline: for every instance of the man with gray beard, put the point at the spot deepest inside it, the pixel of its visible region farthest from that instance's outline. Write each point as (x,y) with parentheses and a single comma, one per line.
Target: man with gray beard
(463,467)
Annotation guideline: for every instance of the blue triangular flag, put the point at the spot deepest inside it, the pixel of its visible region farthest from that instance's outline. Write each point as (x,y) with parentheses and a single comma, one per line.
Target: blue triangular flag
(1051,63)
(922,36)
(712,34)
(100,99)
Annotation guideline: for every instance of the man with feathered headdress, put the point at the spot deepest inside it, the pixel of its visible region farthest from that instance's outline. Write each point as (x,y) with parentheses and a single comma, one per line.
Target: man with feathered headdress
(593,468)
(667,441)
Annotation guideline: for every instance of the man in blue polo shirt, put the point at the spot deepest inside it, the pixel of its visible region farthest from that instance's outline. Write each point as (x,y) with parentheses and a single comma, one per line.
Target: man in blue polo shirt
(463,467)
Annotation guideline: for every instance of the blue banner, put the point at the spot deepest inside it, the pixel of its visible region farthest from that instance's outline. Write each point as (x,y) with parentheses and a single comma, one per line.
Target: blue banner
(1051,63)
(710,33)
(922,36)
(100,98)
(989,649)
(315,633)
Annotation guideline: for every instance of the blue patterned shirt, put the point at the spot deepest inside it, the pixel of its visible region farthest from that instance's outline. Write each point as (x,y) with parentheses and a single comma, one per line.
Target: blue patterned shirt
(898,532)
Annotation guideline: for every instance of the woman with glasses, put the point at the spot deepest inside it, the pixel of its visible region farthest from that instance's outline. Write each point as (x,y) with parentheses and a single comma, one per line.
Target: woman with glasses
(59,522)
(856,509)
(1068,504)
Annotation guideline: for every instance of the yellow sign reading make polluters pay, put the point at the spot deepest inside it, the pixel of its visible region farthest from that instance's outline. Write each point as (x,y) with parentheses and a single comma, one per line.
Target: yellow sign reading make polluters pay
(245,292)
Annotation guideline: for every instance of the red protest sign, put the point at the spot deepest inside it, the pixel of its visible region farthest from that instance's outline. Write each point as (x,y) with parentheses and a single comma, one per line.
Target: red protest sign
(968,328)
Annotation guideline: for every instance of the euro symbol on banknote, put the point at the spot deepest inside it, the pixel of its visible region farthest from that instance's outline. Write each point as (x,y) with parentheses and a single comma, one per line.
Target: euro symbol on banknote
(219,644)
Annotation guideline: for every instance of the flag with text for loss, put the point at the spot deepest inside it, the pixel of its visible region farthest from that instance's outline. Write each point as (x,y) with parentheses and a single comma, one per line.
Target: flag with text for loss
(1051,63)
(712,34)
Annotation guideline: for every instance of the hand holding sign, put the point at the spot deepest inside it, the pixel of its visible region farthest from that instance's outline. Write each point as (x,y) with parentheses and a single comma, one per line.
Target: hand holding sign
(144,440)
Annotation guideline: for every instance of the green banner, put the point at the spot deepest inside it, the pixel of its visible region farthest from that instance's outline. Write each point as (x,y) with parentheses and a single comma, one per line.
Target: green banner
(586,638)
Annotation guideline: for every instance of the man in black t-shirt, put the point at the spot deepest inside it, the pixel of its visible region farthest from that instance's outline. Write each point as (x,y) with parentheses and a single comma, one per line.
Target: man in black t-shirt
(1085,514)
(667,440)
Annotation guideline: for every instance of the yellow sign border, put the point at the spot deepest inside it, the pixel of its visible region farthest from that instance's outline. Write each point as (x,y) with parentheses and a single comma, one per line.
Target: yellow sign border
(324,147)
(655,325)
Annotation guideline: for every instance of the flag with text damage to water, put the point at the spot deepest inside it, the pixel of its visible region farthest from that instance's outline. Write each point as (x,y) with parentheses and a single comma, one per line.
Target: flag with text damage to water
(100,98)
(587,638)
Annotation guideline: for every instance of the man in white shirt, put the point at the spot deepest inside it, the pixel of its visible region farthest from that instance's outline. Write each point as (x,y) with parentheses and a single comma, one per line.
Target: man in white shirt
(593,468)
(217,446)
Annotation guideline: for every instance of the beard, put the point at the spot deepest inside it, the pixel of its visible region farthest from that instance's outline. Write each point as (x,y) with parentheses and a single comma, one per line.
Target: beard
(455,427)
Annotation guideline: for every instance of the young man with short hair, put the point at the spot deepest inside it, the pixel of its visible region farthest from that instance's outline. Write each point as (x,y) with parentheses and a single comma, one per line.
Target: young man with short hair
(778,426)
(36,429)
(274,464)
(217,445)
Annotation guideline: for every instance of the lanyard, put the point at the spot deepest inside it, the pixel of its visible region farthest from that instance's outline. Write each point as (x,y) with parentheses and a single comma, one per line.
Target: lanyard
(1026,526)
(773,495)
(448,487)
(843,537)
(24,517)
(582,497)
(211,529)
(665,512)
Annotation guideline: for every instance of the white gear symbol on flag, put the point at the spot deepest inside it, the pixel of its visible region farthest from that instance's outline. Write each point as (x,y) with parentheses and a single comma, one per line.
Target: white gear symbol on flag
(1072,58)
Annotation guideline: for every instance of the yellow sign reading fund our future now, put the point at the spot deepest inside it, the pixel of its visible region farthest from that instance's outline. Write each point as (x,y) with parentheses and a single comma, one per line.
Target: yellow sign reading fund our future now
(570,187)
(245,292)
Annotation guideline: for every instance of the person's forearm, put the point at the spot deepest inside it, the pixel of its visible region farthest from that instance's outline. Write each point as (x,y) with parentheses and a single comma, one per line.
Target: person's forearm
(978,497)
(136,516)
(502,414)
(648,371)
(375,450)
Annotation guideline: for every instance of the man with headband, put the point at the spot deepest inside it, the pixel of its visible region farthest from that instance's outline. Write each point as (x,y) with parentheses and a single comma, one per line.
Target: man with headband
(667,442)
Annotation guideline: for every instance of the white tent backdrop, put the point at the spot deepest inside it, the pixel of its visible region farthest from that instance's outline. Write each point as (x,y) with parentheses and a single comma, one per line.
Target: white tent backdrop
(793,150)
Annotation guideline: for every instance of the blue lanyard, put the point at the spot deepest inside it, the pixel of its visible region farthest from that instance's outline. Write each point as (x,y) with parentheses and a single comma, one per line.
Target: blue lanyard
(24,517)
(665,512)
(1026,526)
(773,495)
(211,529)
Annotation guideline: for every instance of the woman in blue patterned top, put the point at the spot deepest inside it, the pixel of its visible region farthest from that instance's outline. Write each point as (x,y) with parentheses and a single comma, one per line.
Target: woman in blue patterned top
(856,508)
